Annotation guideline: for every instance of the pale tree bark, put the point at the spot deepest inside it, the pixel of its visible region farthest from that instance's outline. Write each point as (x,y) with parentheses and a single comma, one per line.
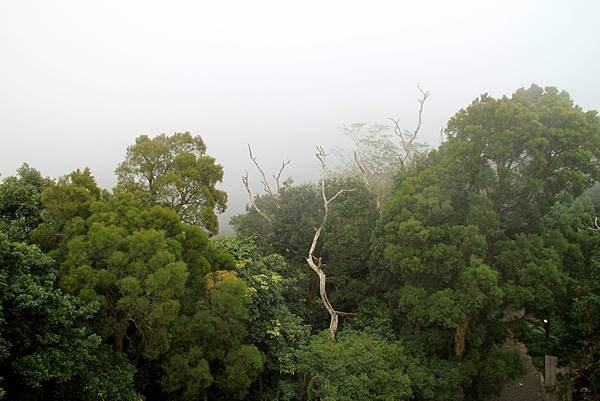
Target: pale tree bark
(251,198)
(316,263)
(407,144)
(368,177)
(265,183)
(407,138)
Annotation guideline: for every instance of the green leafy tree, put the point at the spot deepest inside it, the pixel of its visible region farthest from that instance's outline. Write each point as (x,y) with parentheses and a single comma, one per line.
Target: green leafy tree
(462,239)
(272,326)
(436,271)
(140,263)
(356,367)
(20,203)
(347,244)
(66,204)
(532,147)
(209,356)
(293,218)
(166,302)
(572,332)
(47,351)
(175,171)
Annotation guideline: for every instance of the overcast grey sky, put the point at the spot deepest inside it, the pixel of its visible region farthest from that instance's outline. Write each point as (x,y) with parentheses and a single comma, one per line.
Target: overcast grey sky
(79,80)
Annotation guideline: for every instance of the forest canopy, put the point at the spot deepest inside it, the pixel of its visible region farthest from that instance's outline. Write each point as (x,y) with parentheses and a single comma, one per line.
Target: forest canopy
(404,277)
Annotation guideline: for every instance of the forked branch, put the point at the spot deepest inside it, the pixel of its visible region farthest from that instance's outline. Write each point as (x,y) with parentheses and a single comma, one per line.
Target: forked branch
(278,178)
(251,197)
(407,144)
(367,177)
(265,183)
(407,138)
(364,174)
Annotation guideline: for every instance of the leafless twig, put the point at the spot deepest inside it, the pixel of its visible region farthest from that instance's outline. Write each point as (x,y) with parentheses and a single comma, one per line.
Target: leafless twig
(265,183)
(252,202)
(407,138)
(278,177)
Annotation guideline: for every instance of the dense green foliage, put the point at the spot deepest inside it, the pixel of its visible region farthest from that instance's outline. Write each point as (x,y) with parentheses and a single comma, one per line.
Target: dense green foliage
(489,239)
(175,171)
(354,368)
(20,203)
(46,347)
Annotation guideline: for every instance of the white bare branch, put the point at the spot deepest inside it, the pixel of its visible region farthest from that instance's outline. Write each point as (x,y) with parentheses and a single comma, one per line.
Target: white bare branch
(365,175)
(316,263)
(373,179)
(407,138)
(278,177)
(264,181)
(251,197)
(354,133)
(341,191)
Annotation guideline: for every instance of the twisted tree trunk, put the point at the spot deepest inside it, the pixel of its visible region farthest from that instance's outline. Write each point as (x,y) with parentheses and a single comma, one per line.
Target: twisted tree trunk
(316,263)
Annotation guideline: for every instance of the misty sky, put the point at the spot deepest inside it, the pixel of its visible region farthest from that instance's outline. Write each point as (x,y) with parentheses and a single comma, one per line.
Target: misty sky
(79,80)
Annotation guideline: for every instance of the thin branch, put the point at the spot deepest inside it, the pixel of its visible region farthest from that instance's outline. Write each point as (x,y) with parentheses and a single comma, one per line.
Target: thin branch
(264,181)
(425,95)
(364,174)
(341,191)
(278,177)
(247,185)
(407,137)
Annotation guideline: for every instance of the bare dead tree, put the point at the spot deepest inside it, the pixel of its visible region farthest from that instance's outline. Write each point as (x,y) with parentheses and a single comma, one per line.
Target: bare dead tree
(277,178)
(407,143)
(407,138)
(365,174)
(251,197)
(265,183)
(316,263)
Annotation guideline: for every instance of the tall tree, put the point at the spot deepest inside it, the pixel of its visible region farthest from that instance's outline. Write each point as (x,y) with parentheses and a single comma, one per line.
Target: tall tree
(66,202)
(531,147)
(462,239)
(47,352)
(175,171)
(316,263)
(20,203)
(164,303)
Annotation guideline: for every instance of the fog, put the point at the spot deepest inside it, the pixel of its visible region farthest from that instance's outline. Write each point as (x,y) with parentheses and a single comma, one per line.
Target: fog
(79,80)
